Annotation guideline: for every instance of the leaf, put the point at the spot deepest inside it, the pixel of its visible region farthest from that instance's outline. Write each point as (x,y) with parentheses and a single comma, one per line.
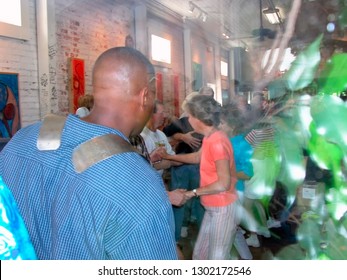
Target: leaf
(291,252)
(336,244)
(342,18)
(303,68)
(292,172)
(333,78)
(266,165)
(337,248)
(330,114)
(325,154)
(300,113)
(336,203)
(277,88)
(309,237)
(342,229)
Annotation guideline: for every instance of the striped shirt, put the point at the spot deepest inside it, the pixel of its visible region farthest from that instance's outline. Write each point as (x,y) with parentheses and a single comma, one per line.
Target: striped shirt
(116,209)
(262,141)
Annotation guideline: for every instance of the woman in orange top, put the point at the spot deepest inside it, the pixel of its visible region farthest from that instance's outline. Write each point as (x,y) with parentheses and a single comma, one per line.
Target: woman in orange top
(217,180)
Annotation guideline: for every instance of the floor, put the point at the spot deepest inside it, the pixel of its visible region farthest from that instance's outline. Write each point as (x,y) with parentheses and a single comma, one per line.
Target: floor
(280,237)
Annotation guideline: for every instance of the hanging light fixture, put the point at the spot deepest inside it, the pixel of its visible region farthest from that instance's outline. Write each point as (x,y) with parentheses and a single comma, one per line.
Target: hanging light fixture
(191,7)
(204,17)
(272,15)
(197,12)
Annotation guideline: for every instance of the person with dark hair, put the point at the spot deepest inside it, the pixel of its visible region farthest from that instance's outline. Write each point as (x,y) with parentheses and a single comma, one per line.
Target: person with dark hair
(85,104)
(129,41)
(186,141)
(155,139)
(217,180)
(79,183)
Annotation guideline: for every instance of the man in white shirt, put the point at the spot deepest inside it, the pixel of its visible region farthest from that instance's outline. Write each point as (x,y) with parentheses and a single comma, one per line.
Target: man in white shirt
(156,139)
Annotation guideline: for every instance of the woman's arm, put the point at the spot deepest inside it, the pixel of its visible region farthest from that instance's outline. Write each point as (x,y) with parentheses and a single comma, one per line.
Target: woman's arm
(192,158)
(242,176)
(221,185)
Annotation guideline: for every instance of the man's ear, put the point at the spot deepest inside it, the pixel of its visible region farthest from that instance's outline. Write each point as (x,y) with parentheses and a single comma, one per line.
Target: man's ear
(144,97)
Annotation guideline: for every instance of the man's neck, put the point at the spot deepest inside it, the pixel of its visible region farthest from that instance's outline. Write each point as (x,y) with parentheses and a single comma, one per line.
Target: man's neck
(151,127)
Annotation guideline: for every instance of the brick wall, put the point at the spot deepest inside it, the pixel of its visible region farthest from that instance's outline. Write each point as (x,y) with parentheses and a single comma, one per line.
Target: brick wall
(172,71)
(84,30)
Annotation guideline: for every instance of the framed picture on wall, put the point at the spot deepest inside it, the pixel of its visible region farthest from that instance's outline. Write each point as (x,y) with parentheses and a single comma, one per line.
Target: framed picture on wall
(197,76)
(159,86)
(9,105)
(77,84)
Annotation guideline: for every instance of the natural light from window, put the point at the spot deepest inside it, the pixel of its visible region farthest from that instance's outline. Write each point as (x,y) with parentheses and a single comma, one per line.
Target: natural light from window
(224,68)
(285,65)
(10,12)
(161,49)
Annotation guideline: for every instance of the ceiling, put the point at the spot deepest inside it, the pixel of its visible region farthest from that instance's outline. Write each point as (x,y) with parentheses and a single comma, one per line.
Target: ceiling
(239,18)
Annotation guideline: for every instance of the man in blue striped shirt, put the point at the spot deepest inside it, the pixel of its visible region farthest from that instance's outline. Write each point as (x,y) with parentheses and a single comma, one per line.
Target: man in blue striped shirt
(80,200)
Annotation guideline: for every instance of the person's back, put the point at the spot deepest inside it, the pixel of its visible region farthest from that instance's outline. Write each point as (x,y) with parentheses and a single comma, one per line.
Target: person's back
(93,213)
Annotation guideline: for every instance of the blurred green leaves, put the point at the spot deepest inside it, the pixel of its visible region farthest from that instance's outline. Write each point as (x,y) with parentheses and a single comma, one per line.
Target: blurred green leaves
(301,73)
(317,124)
(332,79)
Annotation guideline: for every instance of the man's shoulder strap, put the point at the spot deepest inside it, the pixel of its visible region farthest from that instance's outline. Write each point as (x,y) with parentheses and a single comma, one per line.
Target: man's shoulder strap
(50,133)
(86,154)
(99,148)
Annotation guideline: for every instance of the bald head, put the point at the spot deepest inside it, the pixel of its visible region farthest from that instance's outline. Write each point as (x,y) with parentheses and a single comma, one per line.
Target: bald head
(120,67)
(123,90)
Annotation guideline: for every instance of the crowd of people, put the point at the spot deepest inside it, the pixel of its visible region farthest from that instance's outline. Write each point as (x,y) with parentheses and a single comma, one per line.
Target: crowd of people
(90,185)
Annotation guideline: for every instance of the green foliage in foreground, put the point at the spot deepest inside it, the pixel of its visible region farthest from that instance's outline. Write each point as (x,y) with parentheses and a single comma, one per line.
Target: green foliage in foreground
(318,125)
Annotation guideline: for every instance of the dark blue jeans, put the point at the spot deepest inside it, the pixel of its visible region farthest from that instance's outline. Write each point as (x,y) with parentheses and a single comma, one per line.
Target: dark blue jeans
(187,177)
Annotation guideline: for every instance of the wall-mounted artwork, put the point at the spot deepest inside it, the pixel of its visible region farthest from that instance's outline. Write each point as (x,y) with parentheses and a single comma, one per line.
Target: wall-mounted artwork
(9,105)
(159,86)
(77,84)
(176,93)
(197,76)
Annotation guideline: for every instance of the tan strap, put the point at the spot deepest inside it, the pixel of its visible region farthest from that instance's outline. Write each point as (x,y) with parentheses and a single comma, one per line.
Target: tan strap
(50,132)
(86,154)
(99,148)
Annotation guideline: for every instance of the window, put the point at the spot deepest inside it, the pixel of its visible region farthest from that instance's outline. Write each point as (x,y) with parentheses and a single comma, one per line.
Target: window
(161,49)
(14,19)
(224,68)
(285,65)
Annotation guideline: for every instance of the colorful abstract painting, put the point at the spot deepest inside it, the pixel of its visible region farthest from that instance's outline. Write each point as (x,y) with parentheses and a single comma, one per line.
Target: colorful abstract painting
(9,105)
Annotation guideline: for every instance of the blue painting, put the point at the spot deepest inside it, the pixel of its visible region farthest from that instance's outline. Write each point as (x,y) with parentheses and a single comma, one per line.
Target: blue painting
(9,105)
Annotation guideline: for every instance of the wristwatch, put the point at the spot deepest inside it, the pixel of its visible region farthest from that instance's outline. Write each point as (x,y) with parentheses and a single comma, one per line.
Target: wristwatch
(195,193)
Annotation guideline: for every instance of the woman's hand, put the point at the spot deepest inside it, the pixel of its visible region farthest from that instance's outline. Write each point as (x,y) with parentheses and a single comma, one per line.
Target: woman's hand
(162,153)
(189,194)
(156,154)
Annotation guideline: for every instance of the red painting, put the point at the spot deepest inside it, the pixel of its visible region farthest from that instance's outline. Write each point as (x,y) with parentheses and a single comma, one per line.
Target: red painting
(159,85)
(77,82)
(176,92)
